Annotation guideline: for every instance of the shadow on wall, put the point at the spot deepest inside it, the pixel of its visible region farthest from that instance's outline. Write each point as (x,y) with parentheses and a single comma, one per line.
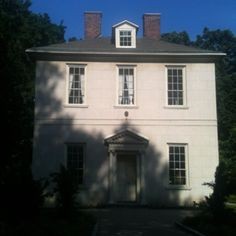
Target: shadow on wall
(55,127)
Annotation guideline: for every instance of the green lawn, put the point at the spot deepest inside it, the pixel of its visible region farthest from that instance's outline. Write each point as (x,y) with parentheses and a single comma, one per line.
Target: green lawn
(206,224)
(50,224)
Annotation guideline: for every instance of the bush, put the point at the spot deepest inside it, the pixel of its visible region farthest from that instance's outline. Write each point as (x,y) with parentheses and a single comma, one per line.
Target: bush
(216,202)
(65,190)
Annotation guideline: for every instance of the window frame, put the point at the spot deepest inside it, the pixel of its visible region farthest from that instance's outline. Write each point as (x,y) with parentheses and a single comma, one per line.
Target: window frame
(133,37)
(185,186)
(83,145)
(130,36)
(68,66)
(118,88)
(183,68)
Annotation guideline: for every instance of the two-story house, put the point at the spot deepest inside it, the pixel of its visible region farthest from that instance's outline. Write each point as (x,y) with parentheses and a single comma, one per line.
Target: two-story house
(134,118)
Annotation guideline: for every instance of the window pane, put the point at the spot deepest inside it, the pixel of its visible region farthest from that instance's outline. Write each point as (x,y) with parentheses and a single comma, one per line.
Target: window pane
(76,88)
(125,38)
(176,149)
(71,70)
(180,86)
(126,86)
(171,164)
(182,150)
(179,72)
(177,171)
(76,70)
(175,86)
(75,156)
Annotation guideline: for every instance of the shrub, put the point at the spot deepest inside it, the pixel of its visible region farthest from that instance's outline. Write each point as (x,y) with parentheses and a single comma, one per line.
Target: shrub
(216,202)
(65,190)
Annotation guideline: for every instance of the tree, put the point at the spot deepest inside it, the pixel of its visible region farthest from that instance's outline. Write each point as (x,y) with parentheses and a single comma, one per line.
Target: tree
(175,37)
(19,29)
(72,39)
(224,41)
(221,41)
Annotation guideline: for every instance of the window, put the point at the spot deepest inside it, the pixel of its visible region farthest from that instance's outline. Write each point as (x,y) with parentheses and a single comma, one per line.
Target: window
(175,84)
(76,88)
(177,164)
(75,161)
(125,38)
(126,86)
(125,34)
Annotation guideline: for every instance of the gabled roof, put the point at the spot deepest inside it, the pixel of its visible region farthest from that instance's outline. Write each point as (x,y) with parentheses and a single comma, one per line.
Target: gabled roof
(125,22)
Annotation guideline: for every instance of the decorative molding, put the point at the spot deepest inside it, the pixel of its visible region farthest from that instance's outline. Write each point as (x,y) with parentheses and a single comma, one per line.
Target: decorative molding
(126,137)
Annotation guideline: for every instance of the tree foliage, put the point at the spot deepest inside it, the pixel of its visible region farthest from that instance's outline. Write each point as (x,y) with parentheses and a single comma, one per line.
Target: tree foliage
(19,29)
(224,41)
(177,37)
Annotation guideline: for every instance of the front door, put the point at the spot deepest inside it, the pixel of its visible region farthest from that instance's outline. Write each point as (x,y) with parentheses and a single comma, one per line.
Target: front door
(126,178)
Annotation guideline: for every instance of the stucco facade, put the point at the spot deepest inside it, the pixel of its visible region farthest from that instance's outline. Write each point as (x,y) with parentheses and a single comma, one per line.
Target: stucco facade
(134,119)
(151,119)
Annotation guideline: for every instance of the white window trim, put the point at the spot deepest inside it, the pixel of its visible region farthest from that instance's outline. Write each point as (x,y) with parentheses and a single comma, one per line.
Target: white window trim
(84,157)
(187,185)
(184,106)
(67,104)
(133,37)
(117,105)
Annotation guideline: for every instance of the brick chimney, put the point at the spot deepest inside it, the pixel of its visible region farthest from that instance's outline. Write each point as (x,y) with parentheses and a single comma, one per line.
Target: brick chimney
(151,25)
(92,25)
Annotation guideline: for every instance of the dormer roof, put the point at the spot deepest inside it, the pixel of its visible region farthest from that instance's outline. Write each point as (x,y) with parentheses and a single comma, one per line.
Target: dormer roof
(125,22)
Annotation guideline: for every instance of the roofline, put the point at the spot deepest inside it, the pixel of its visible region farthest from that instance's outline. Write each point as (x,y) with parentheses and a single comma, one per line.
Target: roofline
(152,14)
(92,12)
(130,53)
(125,21)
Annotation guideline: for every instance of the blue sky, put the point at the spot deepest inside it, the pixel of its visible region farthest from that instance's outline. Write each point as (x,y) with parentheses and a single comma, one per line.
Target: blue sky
(176,15)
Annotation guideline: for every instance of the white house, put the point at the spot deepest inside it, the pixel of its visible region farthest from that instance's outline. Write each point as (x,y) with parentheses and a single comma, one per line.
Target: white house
(134,118)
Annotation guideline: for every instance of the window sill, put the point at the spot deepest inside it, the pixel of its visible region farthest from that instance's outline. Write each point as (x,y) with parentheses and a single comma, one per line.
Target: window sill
(176,107)
(178,187)
(132,46)
(126,106)
(76,105)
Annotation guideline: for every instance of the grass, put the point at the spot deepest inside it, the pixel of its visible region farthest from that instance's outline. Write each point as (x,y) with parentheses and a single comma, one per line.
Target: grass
(231,203)
(231,199)
(49,223)
(205,223)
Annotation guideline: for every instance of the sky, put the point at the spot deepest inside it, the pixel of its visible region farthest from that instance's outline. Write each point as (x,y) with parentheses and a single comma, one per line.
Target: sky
(176,15)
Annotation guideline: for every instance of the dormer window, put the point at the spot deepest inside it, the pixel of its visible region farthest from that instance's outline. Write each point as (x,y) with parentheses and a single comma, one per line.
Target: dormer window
(125,34)
(125,38)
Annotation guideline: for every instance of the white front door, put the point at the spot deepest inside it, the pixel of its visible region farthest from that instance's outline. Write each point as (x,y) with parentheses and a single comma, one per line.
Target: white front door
(126,178)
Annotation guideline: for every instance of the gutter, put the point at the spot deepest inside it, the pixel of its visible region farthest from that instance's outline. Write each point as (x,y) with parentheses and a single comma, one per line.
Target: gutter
(127,53)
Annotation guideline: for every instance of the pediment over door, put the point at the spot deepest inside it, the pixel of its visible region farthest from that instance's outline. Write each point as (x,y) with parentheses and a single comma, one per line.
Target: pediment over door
(126,137)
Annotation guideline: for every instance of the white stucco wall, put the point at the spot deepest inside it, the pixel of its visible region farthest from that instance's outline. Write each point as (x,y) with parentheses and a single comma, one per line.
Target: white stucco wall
(196,124)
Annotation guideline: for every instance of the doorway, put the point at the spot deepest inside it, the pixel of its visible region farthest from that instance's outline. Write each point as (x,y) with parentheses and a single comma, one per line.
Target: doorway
(126,178)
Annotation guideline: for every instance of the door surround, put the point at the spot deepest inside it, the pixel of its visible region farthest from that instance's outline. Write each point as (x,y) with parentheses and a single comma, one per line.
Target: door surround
(126,142)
